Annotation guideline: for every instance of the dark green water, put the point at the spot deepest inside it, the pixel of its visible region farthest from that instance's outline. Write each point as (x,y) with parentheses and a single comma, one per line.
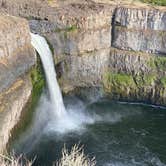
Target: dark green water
(120,135)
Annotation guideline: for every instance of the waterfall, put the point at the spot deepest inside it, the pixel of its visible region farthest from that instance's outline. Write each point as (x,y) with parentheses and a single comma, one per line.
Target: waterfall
(41,46)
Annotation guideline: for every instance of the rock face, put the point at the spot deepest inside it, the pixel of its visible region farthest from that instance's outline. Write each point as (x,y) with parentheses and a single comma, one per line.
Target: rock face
(138,72)
(16,59)
(16,53)
(87,40)
(136,76)
(12,103)
(141,18)
(127,61)
(140,30)
(118,48)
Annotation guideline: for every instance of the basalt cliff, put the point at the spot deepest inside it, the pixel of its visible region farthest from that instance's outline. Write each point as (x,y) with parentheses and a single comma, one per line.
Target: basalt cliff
(16,58)
(118,48)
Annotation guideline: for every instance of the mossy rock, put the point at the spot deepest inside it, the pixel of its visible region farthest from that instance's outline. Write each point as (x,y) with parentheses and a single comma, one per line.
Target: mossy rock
(160,63)
(157,63)
(145,80)
(38,82)
(71,28)
(117,82)
(163,81)
(120,85)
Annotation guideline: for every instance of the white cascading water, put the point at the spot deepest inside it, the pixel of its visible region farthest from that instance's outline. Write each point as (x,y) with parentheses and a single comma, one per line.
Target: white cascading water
(51,113)
(41,46)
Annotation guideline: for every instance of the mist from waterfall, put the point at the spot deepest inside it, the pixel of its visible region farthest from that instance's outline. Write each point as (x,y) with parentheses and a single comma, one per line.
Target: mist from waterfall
(51,114)
(41,46)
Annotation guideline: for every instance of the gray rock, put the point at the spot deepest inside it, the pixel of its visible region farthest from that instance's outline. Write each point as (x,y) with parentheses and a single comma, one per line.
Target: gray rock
(140,40)
(141,18)
(16,53)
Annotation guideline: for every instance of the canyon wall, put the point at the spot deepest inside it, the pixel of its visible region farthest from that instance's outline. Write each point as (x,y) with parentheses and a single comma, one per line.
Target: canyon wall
(137,60)
(16,59)
(120,49)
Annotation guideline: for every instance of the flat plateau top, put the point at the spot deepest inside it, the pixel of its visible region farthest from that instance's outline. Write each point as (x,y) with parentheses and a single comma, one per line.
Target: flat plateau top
(123,3)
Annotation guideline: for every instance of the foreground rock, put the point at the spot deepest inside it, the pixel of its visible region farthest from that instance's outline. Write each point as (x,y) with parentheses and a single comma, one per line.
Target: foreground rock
(16,59)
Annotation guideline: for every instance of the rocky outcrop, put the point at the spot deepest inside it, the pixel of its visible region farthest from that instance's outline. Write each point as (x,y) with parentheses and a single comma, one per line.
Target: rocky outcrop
(16,53)
(16,59)
(81,28)
(138,72)
(12,103)
(86,70)
(82,42)
(103,45)
(140,30)
(136,76)
(91,51)
(29,9)
(141,18)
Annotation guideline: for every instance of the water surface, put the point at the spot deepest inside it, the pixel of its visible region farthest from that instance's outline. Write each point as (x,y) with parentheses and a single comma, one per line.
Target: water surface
(117,134)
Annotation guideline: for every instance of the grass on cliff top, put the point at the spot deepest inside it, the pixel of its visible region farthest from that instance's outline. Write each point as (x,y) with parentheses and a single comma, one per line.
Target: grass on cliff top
(56,3)
(155,2)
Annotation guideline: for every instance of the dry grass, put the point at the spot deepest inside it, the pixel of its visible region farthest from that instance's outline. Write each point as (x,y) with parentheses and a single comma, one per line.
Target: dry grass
(75,157)
(14,161)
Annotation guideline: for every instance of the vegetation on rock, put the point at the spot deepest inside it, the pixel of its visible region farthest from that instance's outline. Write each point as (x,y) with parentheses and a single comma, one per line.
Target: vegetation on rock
(128,86)
(163,81)
(118,79)
(67,29)
(38,82)
(145,80)
(157,62)
(155,2)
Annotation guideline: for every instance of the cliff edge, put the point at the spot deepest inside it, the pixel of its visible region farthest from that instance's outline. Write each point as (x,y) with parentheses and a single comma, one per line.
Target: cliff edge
(16,59)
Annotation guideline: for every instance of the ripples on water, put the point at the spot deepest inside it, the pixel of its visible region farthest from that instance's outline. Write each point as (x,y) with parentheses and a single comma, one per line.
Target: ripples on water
(118,134)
